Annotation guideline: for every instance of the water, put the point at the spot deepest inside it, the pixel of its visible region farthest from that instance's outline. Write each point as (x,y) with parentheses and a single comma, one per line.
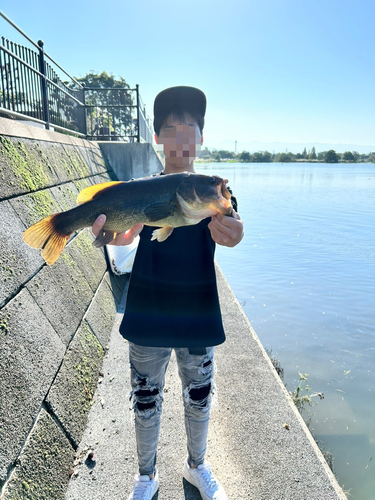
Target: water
(305,276)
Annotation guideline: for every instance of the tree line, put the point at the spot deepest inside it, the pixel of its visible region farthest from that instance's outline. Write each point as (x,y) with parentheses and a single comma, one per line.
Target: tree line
(330,156)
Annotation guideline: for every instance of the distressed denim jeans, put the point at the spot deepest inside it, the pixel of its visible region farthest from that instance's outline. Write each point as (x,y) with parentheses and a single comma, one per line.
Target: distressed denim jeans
(148,366)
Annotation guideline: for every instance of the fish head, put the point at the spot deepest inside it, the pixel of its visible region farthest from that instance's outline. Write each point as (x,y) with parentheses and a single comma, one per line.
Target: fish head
(202,196)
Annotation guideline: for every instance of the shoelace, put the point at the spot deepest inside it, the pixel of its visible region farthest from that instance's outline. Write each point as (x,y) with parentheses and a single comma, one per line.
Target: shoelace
(208,477)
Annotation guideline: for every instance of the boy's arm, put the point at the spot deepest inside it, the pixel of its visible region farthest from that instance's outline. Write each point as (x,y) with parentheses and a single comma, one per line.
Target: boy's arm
(226,231)
(122,238)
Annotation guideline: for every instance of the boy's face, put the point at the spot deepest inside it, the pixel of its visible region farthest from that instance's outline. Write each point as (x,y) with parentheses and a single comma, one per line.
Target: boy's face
(180,140)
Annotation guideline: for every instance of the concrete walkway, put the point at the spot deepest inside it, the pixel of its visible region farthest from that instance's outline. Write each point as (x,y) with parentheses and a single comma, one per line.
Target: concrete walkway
(251,452)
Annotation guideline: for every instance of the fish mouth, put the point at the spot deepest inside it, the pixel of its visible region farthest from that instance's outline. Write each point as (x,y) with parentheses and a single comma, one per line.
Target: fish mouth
(223,202)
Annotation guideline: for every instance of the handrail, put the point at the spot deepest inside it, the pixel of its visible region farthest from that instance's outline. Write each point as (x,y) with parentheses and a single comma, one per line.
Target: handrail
(4,16)
(40,74)
(32,89)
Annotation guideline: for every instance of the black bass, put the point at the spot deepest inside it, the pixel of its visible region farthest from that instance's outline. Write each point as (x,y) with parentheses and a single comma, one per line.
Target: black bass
(165,201)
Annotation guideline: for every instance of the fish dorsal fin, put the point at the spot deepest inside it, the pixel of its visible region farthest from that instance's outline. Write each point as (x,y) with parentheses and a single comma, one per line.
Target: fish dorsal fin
(92,192)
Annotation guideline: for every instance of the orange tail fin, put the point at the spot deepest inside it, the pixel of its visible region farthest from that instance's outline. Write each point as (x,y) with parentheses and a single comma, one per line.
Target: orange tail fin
(44,235)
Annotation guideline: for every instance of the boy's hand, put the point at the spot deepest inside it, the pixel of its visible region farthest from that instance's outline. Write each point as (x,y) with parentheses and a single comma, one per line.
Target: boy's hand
(226,231)
(122,238)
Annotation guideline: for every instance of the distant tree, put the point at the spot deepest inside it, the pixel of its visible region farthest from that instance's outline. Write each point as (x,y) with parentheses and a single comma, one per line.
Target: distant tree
(299,156)
(216,156)
(103,80)
(356,155)
(285,158)
(348,156)
(224,154)
(245,156)
(257,157)
(312,155)
(206,153)
(304,154)
(322,155)
(331,156)
(267,156)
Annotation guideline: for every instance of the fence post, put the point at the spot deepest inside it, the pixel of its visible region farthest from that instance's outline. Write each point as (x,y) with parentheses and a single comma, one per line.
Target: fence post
(138,115)
(84,109)
(43,83)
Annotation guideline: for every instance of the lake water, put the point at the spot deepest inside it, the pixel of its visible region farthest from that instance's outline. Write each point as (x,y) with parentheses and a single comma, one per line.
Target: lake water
(305,277)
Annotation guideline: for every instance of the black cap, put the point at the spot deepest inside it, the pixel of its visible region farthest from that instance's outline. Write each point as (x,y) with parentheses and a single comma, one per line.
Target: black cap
(187,99)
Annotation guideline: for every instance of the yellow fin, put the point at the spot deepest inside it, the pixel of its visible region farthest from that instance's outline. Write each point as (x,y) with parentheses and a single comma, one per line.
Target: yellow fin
(44,235)
(91,192)
(162,234)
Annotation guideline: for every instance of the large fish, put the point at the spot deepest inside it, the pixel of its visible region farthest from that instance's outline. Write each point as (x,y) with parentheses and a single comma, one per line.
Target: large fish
(165,201)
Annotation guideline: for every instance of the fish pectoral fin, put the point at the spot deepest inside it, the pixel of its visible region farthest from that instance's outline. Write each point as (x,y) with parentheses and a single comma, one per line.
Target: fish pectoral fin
(159,211)
(92,192)
(162,234)
(104,237)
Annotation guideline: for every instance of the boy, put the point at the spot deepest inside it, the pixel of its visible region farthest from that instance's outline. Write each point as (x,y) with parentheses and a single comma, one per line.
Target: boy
(173,303)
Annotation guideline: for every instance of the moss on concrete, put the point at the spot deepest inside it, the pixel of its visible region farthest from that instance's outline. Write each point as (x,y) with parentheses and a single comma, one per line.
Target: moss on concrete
(66,196)
(88,366)
(9,267)
(27,169)
(71,395)
(79,165)
(41,204)
(4,324)
(89,259)
(42,471)
(82,184)
(84,244)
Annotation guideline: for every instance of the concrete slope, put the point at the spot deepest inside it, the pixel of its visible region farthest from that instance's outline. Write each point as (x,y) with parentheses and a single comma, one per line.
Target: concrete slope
(251,452)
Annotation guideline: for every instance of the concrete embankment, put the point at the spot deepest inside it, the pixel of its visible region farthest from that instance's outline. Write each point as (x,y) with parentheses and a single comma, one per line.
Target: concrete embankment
(55,321)
(55,325)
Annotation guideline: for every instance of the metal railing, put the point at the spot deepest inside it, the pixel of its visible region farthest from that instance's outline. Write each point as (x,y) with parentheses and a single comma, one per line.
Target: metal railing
(114,113)
(31,89)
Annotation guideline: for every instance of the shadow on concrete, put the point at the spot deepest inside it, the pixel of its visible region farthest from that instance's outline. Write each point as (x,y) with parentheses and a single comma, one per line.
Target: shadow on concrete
(190,491)
(90,463)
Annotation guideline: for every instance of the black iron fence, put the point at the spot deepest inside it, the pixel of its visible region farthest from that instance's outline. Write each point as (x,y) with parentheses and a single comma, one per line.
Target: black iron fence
(31,88)
(114,114)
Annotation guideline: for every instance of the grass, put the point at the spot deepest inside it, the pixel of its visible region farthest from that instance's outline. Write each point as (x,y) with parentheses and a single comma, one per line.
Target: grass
(302,395)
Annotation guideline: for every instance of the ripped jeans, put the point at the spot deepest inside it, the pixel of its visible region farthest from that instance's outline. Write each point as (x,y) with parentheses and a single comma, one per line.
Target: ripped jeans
(148,366)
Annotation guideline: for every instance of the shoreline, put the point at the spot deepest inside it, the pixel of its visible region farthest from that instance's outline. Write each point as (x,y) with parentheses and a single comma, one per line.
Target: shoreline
(286,162)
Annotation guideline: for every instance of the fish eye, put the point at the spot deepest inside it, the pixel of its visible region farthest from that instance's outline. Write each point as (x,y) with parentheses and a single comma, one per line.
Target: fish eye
(212,180)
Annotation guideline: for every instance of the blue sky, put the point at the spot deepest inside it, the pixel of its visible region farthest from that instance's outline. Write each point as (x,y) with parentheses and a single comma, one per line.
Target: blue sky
(286,71)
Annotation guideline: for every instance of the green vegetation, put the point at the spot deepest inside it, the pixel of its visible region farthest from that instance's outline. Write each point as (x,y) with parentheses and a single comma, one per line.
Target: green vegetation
(27,169)
(306,156)
(100,117)
(302,396)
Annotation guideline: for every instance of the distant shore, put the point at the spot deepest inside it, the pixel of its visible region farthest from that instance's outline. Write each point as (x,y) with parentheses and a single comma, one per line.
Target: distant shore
(310,156)
(199,160)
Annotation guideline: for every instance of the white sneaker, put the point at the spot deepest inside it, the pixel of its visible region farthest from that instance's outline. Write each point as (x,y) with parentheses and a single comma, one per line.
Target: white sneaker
(144,487)
(203,479)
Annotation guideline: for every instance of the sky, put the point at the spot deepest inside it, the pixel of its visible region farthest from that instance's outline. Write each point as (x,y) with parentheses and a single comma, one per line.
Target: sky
(284,72)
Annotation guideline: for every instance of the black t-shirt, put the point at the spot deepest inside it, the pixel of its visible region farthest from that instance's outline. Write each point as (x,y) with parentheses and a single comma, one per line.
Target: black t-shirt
(172,298)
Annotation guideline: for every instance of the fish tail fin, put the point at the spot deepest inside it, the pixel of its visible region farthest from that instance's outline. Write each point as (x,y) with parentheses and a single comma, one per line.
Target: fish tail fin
(44,235)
